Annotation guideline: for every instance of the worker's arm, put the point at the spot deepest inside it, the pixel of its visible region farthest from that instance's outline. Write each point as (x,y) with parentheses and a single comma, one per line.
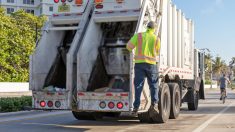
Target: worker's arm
(132,43)
(157,46)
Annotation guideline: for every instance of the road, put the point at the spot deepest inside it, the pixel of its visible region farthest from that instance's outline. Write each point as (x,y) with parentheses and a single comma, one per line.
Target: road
(212,116)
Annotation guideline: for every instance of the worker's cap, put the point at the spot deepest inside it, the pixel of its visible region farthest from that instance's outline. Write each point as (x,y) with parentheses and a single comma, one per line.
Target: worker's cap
(151,24)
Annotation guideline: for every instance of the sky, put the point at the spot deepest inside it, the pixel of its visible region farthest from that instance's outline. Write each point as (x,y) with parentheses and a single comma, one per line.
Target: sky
(214,22)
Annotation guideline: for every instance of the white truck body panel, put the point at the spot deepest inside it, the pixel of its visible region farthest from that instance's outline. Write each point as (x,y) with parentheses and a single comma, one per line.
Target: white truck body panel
(113,5)
(47,51)
(176,36)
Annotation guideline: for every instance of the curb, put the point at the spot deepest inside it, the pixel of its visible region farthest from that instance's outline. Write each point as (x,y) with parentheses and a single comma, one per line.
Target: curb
(16,113)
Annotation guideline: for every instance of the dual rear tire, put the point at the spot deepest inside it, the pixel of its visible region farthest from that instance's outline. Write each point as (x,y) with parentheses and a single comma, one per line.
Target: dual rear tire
(164,105)
(168,106)
(175,100)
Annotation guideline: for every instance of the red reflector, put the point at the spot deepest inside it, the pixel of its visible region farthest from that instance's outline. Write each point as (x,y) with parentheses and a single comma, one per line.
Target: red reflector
(79,2)
(99,6)
(79,14)
(56,1)
(110,11)
(119,105)
(111,105)
(98,1)
(124,94)
(42,103)
(63,1)
(119,1)
(81,94)
(109,94)
(55,15)
(49,103)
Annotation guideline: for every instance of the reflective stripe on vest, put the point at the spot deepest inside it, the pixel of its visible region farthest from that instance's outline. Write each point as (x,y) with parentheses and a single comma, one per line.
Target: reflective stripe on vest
(140,56)
(145,58)
(130,45)
(140,44)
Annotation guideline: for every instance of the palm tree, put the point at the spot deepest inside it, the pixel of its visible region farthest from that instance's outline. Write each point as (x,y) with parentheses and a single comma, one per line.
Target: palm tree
(219,67)
(232,67)
(208,65)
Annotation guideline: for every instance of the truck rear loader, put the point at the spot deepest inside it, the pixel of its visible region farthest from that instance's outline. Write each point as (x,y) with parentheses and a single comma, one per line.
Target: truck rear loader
(81,62)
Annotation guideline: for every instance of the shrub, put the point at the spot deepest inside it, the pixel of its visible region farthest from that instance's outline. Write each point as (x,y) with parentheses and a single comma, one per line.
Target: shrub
(208,82)
(15,103)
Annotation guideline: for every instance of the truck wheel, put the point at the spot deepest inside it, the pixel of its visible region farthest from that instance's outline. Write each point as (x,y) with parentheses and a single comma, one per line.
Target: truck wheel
(144,117)
(175,100)
(164,105)
(87,115)
(193,104)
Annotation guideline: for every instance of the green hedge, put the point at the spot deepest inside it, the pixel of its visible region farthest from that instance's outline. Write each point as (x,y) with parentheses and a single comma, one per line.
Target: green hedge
(15,103)
(208,82)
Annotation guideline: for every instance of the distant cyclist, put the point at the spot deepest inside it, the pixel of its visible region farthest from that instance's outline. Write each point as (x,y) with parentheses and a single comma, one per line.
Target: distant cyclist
(223,84)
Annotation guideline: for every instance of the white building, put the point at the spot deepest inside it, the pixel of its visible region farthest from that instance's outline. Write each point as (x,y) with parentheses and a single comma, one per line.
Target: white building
(36,7)
(46,7)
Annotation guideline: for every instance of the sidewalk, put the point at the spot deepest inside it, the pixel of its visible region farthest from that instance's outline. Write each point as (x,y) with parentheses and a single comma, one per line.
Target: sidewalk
(15,94)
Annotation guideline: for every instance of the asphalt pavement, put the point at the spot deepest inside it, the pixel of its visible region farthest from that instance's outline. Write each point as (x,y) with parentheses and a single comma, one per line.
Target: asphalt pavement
(212,116)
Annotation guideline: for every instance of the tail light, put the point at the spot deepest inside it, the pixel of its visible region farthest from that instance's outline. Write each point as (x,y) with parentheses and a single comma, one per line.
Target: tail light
(56,1)
(63,1)
(57,104)
(97,2)
(119,105)
(42,103)
(102,105)
(79,2)
(119,1)
(111,105)
(50,104)
(99,6)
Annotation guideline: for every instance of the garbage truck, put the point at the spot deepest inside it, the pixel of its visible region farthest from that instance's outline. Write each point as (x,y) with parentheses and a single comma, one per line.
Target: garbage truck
(81,62)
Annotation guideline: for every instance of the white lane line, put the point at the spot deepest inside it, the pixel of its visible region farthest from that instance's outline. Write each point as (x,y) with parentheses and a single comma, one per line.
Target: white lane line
(39,115)
(205,124)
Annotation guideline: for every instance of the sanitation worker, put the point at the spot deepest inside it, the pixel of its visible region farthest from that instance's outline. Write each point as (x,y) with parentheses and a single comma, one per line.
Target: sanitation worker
(146,47)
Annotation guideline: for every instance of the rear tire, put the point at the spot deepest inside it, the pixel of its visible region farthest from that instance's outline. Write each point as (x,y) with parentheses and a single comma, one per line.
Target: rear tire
(164,105)
(175,100)
(144,117)
(87,115)
(193,104)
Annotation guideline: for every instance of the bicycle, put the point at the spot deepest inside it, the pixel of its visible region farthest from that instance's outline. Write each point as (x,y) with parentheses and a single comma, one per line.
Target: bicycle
(223,95)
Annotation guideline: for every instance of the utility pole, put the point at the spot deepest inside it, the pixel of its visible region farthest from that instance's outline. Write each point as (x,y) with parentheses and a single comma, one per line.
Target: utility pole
(211,74)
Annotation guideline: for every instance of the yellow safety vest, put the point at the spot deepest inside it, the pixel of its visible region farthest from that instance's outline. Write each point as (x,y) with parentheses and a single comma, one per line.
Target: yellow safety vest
(146,45)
